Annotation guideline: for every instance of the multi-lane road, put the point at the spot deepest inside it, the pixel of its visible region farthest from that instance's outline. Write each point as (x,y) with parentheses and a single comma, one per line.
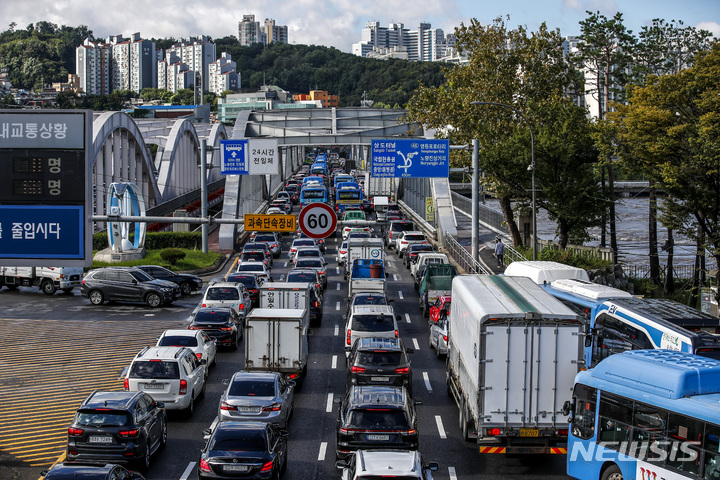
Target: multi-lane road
(55,350)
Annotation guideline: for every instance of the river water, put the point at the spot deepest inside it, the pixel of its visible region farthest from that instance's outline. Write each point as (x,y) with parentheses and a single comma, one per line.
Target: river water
(632,233)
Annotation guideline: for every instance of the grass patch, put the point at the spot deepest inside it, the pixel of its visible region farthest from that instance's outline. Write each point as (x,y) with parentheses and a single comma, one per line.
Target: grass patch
(585,261)
(194,260)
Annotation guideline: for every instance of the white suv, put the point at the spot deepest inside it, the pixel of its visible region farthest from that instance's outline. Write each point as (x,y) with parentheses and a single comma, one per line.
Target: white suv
(172,375)
(370,321)
(408,238)
(228,294)
(405,464)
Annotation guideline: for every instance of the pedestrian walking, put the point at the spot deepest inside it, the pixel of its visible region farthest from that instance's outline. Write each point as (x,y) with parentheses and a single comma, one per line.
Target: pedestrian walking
(499,251)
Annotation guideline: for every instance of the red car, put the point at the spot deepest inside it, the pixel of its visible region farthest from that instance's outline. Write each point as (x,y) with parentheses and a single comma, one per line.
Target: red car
(440,308)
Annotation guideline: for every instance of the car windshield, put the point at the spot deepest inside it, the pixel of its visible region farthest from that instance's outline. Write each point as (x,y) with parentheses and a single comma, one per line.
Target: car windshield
(372,323)
(250,268)
(252,388)
(303,243)
(222,293)
(238,442)
(102,418)
(247,280)
(266,238)
(379,358)
(212,316)
(178,341)
(402,227)
(414,237)
(301,277)
(308,253)
(369,300)
(257,245)
(309,262)
(154,369)
(378,417)
(257,256)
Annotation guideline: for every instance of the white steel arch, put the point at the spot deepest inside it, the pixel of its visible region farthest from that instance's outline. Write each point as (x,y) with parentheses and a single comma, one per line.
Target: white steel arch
(178,171)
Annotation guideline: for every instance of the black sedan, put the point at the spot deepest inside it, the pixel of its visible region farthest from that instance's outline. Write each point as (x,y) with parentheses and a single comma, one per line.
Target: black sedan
(90,471)
(187,283)
(251,282)
(250,450)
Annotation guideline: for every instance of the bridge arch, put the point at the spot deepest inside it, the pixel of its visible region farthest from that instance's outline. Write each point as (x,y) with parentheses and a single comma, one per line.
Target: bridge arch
(178,171)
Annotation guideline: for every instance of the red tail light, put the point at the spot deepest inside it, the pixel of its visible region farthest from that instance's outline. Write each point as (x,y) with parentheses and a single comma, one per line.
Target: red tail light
(241,306)
(493,432)
(75,432)
(403,370)
(316,304)
(183,387)
(193,328)
(204,466)
(445,337)
(199,356)
(204,305)
(355,369)
(226,329)
(227,406)
(563,432)
(348,337)
(396,334)
(275,407)
(129,433)
(126,384)
(253,290)
(267,467)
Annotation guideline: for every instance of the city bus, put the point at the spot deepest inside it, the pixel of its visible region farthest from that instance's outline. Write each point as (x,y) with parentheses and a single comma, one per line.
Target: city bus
(313,192)
(616,321)
(646,415)
(348,194)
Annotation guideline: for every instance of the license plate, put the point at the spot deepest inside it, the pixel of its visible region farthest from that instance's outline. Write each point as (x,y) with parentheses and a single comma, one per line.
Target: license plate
(100,439)
(154,386)
(529,432)
(379,379)
(248,409)
(236,468)
(379,438)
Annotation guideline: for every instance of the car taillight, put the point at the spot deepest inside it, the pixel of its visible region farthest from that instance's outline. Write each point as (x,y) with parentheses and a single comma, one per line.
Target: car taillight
(403,242)
(396,334)
(403,370)
(316,304)
(322,272)
(411,432)
(274,245)
(275,407)
(199,356)
(129,433)
(343,252)
(126,384)
(83,282)
(355,369)
(227,406)
(75,432)
(226,329)
(253,290)
(183,387)
(204,466)
(563,432)
(241,306)
(193,328)
(204,304)
(348,337)
(492,432)
(445,338)
(267,467)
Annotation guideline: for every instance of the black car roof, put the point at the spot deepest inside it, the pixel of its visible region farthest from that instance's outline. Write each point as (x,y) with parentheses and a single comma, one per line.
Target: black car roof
(118,400)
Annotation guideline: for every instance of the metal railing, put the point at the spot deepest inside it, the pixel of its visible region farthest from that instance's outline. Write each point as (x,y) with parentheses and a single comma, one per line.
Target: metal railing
(486,215)
(462,257)
(424,226)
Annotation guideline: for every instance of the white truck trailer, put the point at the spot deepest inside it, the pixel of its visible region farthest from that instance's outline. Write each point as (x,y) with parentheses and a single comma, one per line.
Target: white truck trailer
(288,295)
(513,356)
(370,248)
(47,279)
(276,340)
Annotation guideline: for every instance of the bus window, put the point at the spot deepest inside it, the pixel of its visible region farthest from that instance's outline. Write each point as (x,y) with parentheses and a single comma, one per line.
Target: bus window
(683,429)
(649,424)
(711,453)
(583,421)
(615,419)
(613,336)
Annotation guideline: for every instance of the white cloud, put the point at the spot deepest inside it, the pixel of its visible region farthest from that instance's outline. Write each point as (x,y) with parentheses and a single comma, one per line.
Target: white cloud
(712,27)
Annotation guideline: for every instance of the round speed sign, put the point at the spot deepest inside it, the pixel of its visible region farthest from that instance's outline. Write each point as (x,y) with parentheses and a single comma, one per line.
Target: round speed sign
(317,220)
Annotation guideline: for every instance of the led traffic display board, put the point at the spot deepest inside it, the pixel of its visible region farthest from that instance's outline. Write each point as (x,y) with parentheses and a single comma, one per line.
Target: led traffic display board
(45,188)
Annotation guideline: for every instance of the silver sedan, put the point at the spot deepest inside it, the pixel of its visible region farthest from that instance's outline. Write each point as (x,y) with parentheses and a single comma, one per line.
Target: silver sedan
(259,397)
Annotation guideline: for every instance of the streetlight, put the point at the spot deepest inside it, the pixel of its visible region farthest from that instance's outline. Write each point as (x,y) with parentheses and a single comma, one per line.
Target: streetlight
(531,168)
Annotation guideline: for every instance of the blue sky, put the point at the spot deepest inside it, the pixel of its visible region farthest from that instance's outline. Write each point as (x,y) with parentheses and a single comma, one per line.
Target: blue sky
(338,23)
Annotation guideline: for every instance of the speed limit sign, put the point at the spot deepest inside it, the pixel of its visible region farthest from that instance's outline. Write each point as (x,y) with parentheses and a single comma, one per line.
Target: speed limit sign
(317,220)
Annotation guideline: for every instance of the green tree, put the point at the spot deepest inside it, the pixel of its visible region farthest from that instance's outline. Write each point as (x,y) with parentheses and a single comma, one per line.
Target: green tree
(669,129)
(524,70)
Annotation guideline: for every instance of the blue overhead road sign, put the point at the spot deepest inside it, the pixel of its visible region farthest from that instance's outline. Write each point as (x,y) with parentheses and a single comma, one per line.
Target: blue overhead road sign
(414,158)
(233,157)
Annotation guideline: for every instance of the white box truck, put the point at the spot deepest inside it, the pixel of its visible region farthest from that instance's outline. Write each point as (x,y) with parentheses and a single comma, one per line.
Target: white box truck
(379,186)
(287,295)
(47,279)
(370,248)
(276,340)
(513,356)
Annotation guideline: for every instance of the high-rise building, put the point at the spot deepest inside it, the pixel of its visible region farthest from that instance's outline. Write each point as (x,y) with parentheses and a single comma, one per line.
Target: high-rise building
(275,33)
(197,53)
(223,75)
(250,31)
(426,44)
(93,67)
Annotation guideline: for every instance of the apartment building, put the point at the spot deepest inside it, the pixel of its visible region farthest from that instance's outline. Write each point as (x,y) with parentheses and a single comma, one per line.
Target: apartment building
(250,31)
(222,75)
(93,61)
(426,44)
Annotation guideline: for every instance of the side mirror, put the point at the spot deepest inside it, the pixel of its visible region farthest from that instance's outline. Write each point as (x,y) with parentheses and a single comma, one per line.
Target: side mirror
(337,400)
(398,318)
(291,384)
(284,433)
(282,277)
(342,464)
(567,407)
(344,317)
(433,466)
(392,300)
(417,401)
(409,350)
(203,361)
(207,431)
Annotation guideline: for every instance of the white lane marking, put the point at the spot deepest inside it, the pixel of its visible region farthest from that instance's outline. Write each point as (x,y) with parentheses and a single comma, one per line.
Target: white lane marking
(440,427)
(451,472)
(338,286)
(334,361)
(426,378)
(337,270)
(400,294)
(395,277)
(337,330)
(415,344)
(407,317)
(329,404)
(323,449)
(337,306)
(188,470)
(286,264)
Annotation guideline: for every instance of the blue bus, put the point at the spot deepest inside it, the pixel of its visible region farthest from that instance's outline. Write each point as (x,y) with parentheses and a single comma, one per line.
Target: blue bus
(646,415)
(348,194)
(313,192)
(617,321)
(318,168)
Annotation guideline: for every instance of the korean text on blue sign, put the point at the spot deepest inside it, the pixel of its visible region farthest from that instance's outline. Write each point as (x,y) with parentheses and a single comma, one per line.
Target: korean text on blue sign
(233,155)
(413,158)
(42,231)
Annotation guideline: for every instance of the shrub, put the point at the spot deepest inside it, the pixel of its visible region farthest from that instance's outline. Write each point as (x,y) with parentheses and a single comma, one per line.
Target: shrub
(172,255)
(157,240)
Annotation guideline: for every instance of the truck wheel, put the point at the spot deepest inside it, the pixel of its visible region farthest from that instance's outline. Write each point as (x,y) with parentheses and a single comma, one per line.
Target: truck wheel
(96,297)
(48,287)
(612,473)
(153,300)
